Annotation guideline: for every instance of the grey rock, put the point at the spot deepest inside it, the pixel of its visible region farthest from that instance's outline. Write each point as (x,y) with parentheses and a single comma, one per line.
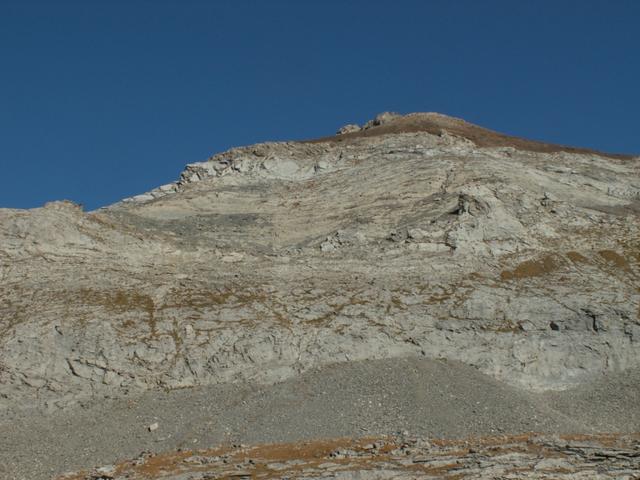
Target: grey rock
(275,259)
(381,119)
(350,128)
(477,270)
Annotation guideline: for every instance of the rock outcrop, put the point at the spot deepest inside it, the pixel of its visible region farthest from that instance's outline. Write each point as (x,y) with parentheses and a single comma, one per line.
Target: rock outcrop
(419,235)
(396,458)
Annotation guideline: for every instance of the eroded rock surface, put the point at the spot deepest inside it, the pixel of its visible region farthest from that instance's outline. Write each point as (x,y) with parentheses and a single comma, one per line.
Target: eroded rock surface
(417,236)
(268,260)
(522,457)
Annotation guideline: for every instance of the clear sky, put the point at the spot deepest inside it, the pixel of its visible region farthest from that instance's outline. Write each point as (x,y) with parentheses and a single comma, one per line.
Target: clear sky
(100,100)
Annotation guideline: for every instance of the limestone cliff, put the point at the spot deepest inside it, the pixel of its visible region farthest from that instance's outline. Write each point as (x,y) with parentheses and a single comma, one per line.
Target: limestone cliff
(418,235)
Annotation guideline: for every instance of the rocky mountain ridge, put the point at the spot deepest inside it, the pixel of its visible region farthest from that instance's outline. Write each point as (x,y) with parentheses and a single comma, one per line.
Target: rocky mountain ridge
(417,236)
(271,259)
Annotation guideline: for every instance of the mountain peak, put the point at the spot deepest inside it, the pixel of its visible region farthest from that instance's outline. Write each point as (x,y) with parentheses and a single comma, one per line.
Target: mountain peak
(405,266)
(389,123)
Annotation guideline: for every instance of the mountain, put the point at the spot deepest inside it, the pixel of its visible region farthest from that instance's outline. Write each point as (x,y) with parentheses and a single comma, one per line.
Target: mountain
(414,238)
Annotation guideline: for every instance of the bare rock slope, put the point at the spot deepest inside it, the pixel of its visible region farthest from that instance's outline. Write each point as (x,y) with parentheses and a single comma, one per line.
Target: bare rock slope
(419,235)
(417,274)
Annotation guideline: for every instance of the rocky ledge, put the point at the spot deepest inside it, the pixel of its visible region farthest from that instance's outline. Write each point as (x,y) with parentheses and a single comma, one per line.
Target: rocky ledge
(395,458)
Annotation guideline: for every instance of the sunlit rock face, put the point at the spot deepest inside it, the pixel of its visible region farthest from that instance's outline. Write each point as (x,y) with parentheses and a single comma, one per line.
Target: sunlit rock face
(417,235)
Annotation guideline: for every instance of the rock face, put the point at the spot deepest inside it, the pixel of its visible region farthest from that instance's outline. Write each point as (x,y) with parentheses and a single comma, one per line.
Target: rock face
(419,235)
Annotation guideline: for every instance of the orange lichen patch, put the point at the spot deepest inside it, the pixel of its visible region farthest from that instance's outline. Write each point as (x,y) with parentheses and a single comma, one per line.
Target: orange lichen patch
(576,257)
(531,268)
(272,461)
(615,259)
(305,450)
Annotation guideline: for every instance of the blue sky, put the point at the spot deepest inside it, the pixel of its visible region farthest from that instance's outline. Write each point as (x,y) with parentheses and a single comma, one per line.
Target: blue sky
(103,100)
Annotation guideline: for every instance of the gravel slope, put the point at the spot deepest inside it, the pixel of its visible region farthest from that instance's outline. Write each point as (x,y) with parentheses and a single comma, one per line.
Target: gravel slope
(421,397)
